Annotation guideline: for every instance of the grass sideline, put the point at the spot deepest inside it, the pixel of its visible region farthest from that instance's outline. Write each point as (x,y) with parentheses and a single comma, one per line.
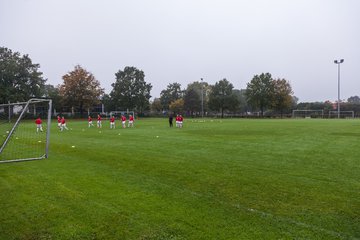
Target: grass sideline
(213,179)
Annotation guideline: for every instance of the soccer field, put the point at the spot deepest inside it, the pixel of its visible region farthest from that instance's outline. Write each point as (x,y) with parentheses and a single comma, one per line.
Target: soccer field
(213,179)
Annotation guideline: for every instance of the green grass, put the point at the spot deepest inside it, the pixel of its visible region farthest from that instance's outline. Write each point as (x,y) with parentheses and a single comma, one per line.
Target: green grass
(229,179)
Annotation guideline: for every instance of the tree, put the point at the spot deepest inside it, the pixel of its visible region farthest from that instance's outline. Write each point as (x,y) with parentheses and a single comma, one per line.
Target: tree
(282,96)
(130,91)
(354,99)
(53,93)
(295,101)
(222,98)
(192,101)
(80,89)
(177,106)
(259,92)
(108,103)
(20,79)
(156,105)
(171,93)
(241,96)
(192,96)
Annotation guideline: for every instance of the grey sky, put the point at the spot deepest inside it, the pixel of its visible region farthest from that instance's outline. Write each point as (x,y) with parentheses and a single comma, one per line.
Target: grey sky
(185,40)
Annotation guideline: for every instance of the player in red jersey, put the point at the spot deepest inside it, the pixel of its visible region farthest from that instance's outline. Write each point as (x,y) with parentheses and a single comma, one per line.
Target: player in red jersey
(123,121)
(63,124)
(112,122)
(177,120)
(99,125)
(181,119)
(131,121)
(38,122)
(90,121)
(59,121)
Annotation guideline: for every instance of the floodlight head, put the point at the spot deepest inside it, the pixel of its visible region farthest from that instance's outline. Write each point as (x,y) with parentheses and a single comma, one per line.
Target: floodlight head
(338,62)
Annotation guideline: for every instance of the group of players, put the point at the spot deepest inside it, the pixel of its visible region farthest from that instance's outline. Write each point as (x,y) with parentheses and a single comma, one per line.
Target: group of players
(112,121)
(62,122)
(178,120)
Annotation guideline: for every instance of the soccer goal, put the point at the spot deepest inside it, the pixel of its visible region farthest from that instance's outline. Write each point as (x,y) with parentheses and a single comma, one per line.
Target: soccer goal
(308,113)
(343,114)
(22,138)
(118,114)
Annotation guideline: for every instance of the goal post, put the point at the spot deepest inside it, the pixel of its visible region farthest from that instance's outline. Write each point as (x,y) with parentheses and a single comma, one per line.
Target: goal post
(21,138)
(308,113)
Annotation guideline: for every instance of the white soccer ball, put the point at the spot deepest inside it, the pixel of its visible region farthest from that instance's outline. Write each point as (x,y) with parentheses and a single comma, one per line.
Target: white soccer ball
(73,146)
(39,141)
(157,136)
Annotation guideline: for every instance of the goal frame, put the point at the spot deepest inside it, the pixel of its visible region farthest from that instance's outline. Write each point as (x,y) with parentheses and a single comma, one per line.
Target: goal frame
(309,110)
(336,114)
(122,112)
(7,139)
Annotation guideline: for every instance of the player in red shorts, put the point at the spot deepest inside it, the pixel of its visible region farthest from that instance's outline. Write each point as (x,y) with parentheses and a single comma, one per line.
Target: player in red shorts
(112,122)
(131,121)
(99,121)
(123,121)
(38,124)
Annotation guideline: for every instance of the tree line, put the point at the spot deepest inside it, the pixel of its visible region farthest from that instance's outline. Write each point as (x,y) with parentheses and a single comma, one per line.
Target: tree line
(80,91)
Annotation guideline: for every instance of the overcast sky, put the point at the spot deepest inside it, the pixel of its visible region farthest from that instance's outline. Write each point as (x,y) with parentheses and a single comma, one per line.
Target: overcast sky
(185,40)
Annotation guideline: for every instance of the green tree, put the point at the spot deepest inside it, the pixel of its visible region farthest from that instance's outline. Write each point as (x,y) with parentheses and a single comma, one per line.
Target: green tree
(80,89)
(354,99)
(260,91)
(53,93)
(20,79)
(222,98)
(192,101)
(177,106)
(282,96)
(156,105)
(130,91)
(295,101)
(241,96)
(171,93)
(108,103)
(192,96)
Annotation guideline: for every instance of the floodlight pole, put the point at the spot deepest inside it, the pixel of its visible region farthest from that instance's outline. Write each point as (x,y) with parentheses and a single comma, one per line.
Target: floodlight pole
(202,98)
(338,62)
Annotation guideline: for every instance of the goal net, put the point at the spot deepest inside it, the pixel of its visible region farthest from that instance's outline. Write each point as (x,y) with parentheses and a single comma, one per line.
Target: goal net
(343,114)
(308,113)
(21,137)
